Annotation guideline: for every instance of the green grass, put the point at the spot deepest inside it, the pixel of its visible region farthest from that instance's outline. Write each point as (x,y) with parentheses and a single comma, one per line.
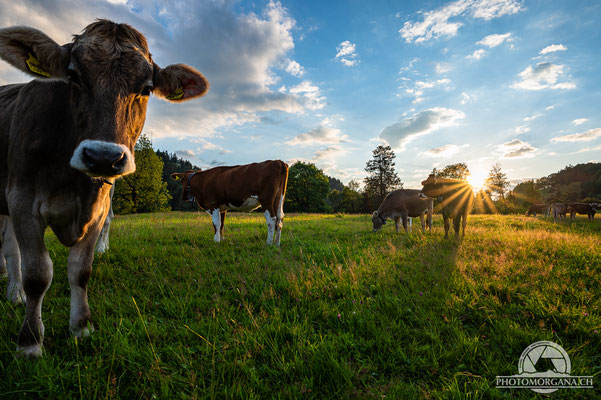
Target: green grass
(336,312)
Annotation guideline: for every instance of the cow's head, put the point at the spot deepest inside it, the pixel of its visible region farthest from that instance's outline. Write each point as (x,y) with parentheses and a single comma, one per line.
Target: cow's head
(185,178)
(110,75)
(431,187)
(378,221)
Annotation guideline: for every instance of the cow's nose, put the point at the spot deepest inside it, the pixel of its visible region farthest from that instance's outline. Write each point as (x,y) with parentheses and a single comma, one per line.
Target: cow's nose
(103,160)
(97,158)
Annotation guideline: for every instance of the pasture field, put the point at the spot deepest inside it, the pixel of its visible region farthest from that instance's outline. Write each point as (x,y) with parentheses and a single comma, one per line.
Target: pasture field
(337,312)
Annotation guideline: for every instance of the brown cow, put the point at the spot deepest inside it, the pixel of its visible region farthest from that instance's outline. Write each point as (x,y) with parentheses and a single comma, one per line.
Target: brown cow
(64,140)
(456,198)
(239,188)
(581,208)
(401,205)
(538,209)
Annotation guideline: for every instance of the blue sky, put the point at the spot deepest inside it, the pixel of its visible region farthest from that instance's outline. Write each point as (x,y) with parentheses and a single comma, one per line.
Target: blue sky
(514,82)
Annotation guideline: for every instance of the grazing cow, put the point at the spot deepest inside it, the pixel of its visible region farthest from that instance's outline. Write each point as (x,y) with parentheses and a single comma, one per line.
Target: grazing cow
(559,211)
(538,209)
(400,205)
(582,208)
(239,188)
(456,199)
(64,141)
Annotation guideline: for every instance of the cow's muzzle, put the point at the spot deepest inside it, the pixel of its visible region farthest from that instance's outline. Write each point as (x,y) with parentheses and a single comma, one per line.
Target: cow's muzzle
(103,159)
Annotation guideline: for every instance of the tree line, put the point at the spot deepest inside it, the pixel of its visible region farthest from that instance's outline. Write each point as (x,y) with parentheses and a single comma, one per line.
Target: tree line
(150,188)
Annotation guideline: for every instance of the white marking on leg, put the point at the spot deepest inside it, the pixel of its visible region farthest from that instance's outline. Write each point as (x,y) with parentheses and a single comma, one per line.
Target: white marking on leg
(280,212)
(270,226)
(409,223)
(279,221)
(216,217)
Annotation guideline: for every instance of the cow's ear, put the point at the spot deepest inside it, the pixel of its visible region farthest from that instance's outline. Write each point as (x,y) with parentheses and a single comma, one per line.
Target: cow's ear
(177,176)
(34,53)
(179,82)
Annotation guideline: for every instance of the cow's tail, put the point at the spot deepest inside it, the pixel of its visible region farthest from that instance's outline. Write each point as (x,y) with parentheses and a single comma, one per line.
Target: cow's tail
(283,187)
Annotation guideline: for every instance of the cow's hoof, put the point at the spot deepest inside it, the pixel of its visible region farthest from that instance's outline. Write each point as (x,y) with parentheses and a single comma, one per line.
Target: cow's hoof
(15,295)
(82,332)
(33,351)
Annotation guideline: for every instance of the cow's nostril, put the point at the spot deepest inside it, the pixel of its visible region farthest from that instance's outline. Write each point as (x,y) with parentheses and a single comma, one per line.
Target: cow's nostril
(90,156)
(120,161)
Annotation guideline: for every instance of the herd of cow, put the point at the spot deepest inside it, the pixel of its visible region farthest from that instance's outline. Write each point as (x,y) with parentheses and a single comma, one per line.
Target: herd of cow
(66,136)
(561,210)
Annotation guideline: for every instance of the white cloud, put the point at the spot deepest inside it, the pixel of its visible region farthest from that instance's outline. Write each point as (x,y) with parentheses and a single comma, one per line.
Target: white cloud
(587,136)
(401,133)
(445,151)
(436,23)
(476,55)
(521,130)
(553,48)
(442,68)
(544,75)
(580,121)
(346,53)
(416,89)
(311,93)
(320,135)
(532,117)
(516,149)
(187,153)
(550,107)
(495,40)
(465,98)
(294,68)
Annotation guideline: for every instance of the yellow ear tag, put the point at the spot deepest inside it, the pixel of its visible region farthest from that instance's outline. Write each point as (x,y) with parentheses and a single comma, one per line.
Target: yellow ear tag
(34,66)
(177,94)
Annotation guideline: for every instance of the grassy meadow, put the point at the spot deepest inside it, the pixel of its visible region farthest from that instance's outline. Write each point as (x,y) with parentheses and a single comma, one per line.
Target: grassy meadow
(337,312)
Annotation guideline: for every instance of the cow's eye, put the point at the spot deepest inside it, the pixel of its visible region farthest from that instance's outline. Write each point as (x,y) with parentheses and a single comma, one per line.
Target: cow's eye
(147,90)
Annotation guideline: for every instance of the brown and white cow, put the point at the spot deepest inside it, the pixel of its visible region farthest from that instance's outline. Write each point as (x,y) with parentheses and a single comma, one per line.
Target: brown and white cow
(538,209)
(456,199)
(64,139)
(239,188)
(581,208)
(402,205)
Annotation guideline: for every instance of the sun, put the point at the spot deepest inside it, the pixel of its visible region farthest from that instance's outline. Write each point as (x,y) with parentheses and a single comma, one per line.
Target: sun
(477,179)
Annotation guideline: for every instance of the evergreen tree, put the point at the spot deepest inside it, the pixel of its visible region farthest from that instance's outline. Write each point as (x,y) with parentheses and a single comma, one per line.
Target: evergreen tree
(144,190)
(382,177)
(308,189)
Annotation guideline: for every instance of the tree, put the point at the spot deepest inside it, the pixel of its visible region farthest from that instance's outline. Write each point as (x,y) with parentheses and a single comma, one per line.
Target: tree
(382,177)
(308,189)
(456,171)
(497,182)
(144,190)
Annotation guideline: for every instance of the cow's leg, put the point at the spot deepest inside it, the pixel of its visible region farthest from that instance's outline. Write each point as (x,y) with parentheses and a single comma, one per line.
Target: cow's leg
(216,216)
(103,240)
(463,224)
(79,268)
(279,220)
(222,218)
(271,223)
(430,214)
(37,276)
(457,225)
(423,222)
(397,224)
(2,261)
(12,254)
(447,225)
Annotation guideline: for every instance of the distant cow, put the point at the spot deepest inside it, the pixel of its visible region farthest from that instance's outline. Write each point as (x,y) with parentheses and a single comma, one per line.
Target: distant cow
(581,208)
(559,211)
(456,199)
(538,209)
(239,188)
(63,142)
(400,205)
